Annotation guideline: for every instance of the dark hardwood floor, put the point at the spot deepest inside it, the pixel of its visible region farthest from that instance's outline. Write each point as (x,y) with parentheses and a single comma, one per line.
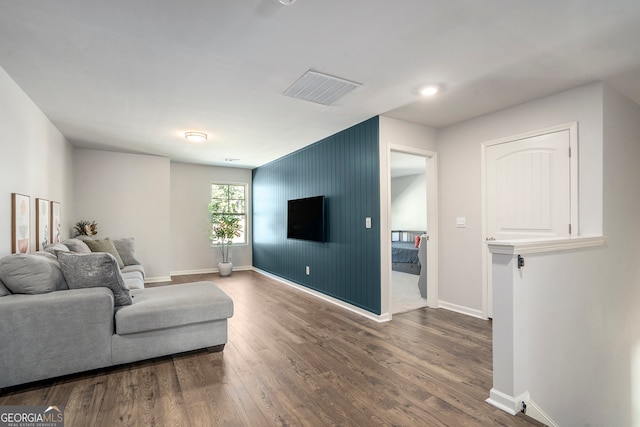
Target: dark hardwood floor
(295,360)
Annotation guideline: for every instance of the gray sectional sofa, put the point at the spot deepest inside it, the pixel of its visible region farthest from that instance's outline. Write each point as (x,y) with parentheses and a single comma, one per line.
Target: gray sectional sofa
(63,312)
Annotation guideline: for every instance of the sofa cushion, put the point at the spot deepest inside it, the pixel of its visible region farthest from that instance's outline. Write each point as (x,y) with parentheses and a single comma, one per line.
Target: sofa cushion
(56,247)
(83,237)
(3,290)
(31,274)
(171,306)
(107,246)
(77,245)
(134,267)
(127,250)
(94,270)
(133,278)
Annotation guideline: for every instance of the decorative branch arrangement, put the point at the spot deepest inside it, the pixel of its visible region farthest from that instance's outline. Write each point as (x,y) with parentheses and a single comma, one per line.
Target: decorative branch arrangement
(85,228)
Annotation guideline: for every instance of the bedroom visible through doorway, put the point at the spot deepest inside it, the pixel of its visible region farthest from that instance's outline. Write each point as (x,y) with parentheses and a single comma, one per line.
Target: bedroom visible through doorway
(408,227)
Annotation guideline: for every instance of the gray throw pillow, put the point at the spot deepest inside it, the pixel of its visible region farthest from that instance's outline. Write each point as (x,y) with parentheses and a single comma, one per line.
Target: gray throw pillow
(83,237)
(31,274)
(56,247)
(107,246)
(76,245)
(3,290)
(98,269)
(127,250)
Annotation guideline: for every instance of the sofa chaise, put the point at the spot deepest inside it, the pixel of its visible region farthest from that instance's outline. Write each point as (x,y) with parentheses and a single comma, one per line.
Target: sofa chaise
(71,312)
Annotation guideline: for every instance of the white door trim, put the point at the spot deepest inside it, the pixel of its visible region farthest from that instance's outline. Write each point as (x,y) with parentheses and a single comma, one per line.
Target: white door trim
(432,221)
(572,127)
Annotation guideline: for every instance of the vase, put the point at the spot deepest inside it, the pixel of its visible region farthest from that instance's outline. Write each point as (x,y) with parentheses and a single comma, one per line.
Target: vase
(225,268)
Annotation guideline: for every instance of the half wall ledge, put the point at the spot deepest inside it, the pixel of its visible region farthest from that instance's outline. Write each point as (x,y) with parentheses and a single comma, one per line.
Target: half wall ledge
(532,246)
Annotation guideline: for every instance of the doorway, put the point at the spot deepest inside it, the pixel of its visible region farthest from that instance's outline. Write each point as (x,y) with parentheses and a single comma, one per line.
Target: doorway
(412,226)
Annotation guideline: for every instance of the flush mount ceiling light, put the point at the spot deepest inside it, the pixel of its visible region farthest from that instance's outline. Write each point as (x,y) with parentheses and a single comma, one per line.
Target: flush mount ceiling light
(429,90)
(287,2)
(195,136)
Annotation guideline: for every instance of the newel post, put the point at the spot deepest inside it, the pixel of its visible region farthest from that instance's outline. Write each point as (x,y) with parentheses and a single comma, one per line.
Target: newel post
(509,385)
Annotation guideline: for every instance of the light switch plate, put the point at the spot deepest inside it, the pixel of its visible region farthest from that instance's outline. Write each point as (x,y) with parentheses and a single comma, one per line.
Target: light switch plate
(367,222)
(461,222)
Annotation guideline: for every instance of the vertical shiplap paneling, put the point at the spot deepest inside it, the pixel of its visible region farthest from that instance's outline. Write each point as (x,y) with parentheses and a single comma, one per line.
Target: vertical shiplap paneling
(345,169)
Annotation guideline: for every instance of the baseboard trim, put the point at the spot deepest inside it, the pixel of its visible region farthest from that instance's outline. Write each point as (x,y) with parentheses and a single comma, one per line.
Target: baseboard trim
(535,412)
(207,270)
(377,318)
(506,403)
(461,309)
(157,279)
(188,272)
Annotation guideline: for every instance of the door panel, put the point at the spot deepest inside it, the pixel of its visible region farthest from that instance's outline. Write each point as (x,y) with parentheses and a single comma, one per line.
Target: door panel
(528,187)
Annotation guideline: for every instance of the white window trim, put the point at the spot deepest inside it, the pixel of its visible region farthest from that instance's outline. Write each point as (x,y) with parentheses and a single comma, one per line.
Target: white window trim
(247,208)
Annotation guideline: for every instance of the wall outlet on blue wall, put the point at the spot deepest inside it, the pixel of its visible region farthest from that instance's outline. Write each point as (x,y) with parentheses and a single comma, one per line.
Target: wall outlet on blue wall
(308,271)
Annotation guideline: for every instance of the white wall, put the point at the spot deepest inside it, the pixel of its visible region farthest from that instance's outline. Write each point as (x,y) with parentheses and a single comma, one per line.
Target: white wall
(578,335)
(397,133)
(191,250)
(459,180)
(619,304)
(409,202)
(128,195)
(35,160)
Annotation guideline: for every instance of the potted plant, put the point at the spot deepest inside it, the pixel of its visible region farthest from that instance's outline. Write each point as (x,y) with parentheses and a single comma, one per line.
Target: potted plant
(223,229)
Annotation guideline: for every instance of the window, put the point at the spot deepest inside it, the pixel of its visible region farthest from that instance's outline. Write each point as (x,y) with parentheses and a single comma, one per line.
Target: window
(230,200)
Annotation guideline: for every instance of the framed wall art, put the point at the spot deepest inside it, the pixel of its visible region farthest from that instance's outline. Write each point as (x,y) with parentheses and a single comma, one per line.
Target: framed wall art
(20,222)
(55,226)
(43,221)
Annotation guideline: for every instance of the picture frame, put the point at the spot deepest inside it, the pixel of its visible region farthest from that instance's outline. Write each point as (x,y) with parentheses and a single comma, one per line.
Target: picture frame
(43,222)
(20,223)
(56,222)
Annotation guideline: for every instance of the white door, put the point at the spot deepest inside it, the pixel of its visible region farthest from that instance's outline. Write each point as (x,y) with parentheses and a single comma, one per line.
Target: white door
(528,187)
(528,190)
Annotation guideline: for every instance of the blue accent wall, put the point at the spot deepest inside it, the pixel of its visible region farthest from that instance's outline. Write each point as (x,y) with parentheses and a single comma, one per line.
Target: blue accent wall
(345,168)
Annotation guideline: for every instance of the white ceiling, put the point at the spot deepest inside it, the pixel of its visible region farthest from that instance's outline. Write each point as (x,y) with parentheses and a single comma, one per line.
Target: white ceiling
(135,75)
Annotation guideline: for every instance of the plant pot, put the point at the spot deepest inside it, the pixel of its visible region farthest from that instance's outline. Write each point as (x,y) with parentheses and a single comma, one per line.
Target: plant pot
(225,268)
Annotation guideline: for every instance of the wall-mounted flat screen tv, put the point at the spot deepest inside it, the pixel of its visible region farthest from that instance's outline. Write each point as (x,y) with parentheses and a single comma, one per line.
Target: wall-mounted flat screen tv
(305,219)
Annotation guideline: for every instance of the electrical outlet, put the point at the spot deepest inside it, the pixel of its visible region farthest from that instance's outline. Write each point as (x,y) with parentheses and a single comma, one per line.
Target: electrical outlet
(308,271)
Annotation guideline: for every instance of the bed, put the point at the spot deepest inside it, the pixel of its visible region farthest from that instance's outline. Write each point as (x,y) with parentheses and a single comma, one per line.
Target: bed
(404,253)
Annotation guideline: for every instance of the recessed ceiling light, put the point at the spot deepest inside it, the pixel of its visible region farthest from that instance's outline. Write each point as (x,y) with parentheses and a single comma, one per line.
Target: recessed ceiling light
(429,90)
(195,136)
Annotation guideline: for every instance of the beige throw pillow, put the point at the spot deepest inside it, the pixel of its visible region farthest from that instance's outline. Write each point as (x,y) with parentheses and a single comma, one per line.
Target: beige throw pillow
(107,246)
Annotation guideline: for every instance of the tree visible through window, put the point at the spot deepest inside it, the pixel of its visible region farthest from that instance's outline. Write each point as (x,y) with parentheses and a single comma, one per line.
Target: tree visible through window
(230,200)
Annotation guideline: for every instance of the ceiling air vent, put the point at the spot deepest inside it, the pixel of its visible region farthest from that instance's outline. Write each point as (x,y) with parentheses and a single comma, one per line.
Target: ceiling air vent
(320,88)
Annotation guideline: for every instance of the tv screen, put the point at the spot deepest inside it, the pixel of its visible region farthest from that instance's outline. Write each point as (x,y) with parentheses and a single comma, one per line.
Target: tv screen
(305,219)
